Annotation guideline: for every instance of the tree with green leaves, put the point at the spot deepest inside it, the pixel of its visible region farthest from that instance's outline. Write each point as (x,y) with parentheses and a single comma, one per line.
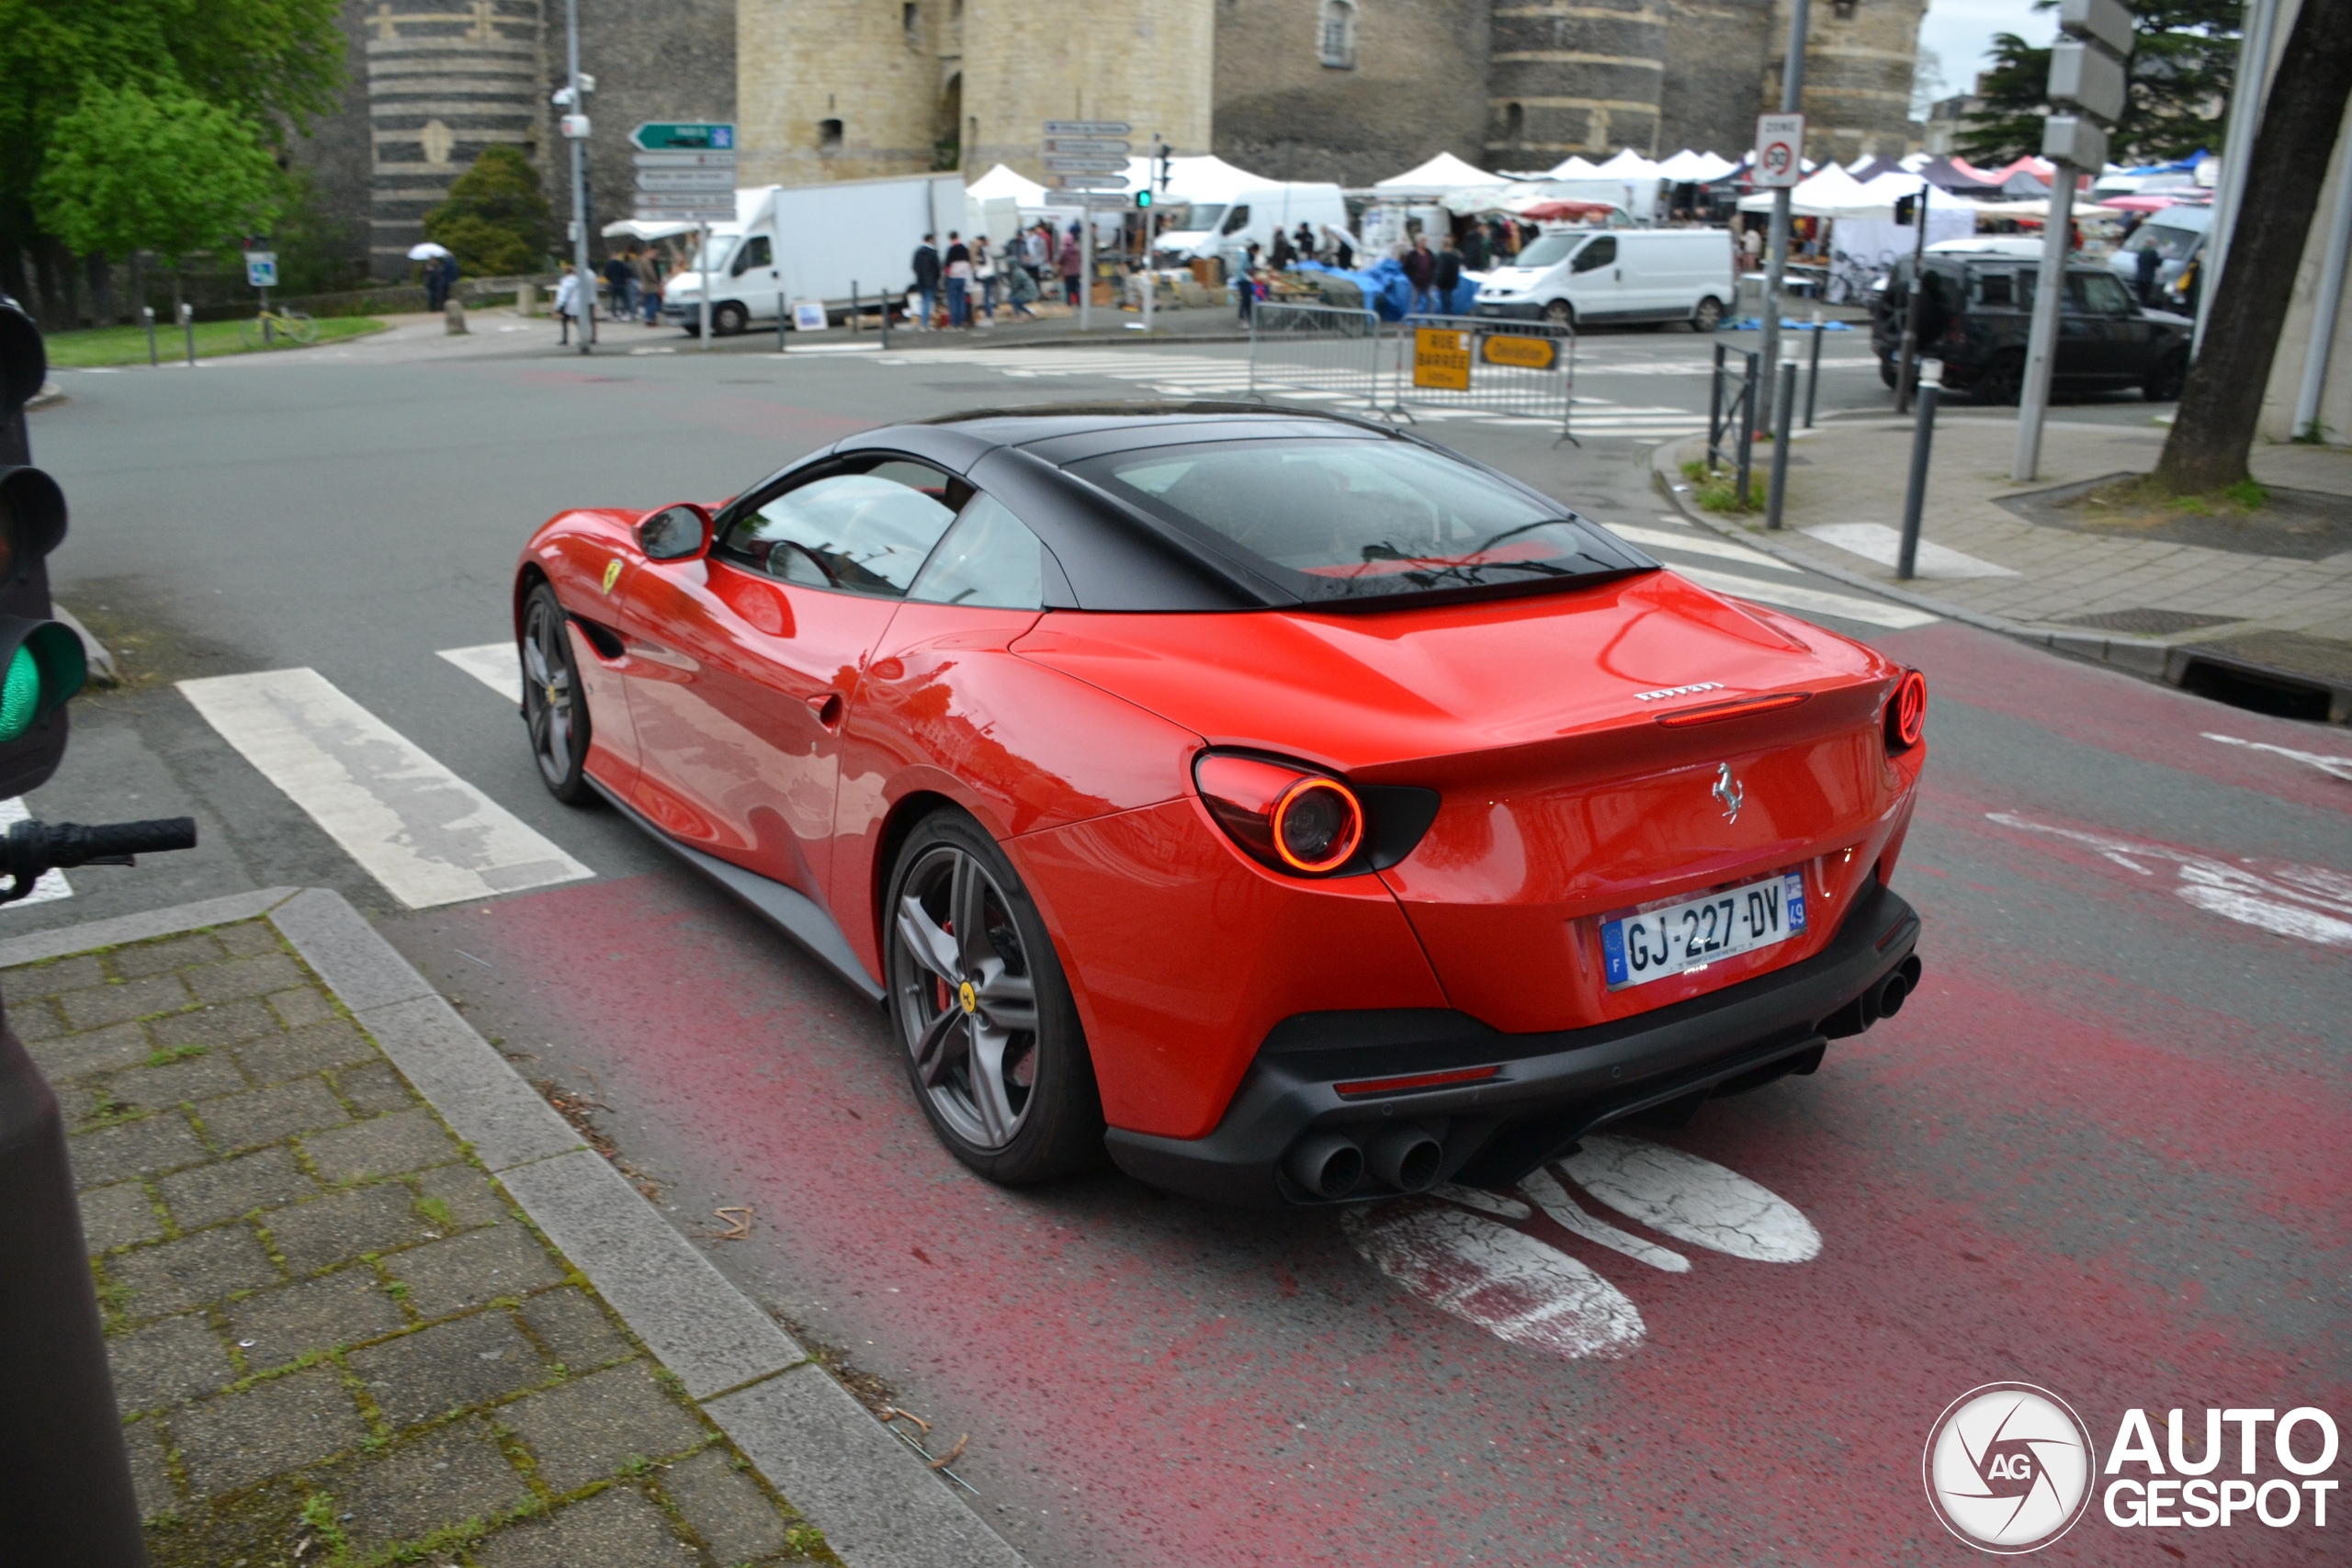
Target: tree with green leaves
(496,219)
(132,172)
(2184,58)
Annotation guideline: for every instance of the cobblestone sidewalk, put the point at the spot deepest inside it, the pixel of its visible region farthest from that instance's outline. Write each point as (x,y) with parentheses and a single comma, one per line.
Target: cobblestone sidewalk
(334,1339)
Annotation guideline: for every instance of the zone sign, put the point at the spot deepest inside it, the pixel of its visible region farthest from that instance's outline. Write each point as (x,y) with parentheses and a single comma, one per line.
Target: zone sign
(1779,150)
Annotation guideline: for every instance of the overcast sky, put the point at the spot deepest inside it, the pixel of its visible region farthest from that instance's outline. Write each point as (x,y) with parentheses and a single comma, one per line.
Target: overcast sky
(1960,32)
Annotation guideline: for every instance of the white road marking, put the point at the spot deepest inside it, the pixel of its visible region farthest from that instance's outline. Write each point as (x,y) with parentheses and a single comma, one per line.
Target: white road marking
(1506,1281)
(1697,545)
(1692,1200)
(53,884)
(1480,1199)
(494,664)
(1554,1201)
(1877,542)
(2334,767)
(426,834)
(2309,903)
(1819,601)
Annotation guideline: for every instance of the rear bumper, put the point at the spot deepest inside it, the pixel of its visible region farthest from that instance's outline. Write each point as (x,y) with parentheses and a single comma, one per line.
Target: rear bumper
(1546,1091)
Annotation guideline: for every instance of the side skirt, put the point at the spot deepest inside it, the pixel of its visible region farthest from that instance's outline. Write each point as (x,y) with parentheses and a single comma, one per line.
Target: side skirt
(788,909)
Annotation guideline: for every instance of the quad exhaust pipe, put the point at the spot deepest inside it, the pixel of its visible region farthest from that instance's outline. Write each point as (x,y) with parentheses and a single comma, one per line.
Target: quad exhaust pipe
(1404,1158)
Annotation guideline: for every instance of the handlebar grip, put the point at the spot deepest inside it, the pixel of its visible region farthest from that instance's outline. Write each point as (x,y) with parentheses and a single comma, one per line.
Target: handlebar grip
(140,838)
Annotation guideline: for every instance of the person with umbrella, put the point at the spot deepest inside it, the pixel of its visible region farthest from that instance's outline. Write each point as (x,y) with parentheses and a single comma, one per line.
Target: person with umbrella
(438,276)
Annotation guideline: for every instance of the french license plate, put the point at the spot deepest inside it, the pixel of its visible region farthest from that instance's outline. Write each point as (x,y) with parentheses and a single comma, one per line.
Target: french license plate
(1649,946)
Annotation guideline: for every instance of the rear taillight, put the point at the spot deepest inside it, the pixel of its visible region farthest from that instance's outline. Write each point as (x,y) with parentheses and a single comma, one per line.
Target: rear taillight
(1295,820)
(1906,712)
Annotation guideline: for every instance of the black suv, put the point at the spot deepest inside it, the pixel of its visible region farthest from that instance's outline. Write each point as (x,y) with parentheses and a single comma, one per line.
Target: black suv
(1977,307)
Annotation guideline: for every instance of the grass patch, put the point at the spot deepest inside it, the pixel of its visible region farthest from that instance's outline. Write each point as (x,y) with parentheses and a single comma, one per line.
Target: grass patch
(94,347)
(2150,501)
(1717,490)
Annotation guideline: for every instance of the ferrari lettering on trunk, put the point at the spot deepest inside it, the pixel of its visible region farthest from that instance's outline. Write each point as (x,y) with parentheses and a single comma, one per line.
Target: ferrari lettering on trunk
(1656,943)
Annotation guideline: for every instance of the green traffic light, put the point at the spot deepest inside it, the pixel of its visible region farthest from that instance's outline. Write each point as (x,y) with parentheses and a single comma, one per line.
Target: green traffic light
(44,672)
(20,696)
(1143,198)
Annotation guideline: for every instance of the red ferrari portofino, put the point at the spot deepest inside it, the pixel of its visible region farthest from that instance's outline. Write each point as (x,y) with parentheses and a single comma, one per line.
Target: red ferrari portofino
(1301,810)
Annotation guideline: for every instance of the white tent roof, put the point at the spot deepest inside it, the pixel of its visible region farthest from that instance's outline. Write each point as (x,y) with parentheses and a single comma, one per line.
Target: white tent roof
(1442,173)
(1572,168)
(1001,182)
(1832,193)
(1629,165)
(1206,177)
(1694,167)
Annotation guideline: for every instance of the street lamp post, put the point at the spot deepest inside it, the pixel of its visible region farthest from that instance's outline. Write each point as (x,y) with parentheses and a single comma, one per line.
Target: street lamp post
(1776,254)
(575,130)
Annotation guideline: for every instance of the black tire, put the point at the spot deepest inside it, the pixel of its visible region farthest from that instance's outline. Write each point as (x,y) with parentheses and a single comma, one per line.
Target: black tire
(2164,383)
(729,320)
(553,710)
(1034,1114)
(2002,381)
(1890,372)
(1708,316)
(1560,313)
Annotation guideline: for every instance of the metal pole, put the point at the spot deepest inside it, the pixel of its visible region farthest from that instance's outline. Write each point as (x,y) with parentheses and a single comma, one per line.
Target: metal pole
(781,311)
(1085,265)
(1923,441)
(2327,301)
(1776,254)
(2041,341)
(1908,370)
(1783,408)
(587,292)
(886,319)
(1715,408)
(188,325)
(702,265)
(147,314)
(1148,292)
(1748,428)
(2251,87)
(1813,373)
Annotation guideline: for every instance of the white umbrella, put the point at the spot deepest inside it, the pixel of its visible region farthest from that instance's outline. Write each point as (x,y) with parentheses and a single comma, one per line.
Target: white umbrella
(427,251)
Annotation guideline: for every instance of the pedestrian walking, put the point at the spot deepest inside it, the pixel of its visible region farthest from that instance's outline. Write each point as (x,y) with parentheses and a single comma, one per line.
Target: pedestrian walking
(1420,271)
(649,285)
(1020,288)
(436,293)
(619,275)
(1282,256)
(1037,252)
(1448,278)
(1244,288)
(1751,248)
(926,265)
(959,281)
(984,277)
(1338,251)
(1473,249)
(1068,264)
(1306,242)
(567,303)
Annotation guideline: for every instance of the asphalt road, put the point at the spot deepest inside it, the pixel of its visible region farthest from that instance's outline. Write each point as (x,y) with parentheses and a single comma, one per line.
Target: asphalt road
(2102,1151)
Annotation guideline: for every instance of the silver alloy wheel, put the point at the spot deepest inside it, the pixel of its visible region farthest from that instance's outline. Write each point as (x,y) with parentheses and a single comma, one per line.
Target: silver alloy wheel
(967,1004)
(547,689)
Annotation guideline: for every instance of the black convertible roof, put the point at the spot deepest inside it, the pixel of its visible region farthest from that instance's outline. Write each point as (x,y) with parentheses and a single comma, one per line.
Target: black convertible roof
(1113,555)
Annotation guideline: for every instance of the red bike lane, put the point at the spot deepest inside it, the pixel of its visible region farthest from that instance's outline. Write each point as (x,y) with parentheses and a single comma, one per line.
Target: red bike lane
(2101,1151)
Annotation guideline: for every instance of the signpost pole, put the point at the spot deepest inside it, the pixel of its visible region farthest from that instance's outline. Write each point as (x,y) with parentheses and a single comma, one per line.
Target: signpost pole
(586,287)
(702,264)
(1776,256)
(1086,267)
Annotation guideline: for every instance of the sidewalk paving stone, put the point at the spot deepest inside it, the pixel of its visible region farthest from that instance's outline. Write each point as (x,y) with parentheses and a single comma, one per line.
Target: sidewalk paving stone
(318,1300)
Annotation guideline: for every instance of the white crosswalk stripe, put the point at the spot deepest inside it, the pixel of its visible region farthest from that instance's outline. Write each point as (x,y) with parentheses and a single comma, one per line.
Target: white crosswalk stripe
(1813,600)
(53,884)
(1688,542)
(494,664)
(426,834)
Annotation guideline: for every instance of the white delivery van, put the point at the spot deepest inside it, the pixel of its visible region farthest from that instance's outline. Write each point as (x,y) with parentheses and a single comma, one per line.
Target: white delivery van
(2177,234)
(1228,224)
(796,243)
(1592,276)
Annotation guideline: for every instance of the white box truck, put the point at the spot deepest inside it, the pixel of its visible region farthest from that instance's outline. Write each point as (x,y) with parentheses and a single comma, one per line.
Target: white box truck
(801,242)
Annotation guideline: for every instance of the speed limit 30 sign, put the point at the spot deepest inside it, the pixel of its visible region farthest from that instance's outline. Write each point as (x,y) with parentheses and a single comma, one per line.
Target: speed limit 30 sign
(1779,150)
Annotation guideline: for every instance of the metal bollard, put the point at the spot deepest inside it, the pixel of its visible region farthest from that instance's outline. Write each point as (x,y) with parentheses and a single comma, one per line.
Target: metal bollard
(856,310)
(1782,410)
(1715,404)
(1747,429)
(1812,371)
(65,1493)
(783,319)
(188,325)
(1923,440)
(147,314)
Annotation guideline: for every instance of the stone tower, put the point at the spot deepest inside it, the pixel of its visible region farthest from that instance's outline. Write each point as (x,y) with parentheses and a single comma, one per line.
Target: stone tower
(1858,63)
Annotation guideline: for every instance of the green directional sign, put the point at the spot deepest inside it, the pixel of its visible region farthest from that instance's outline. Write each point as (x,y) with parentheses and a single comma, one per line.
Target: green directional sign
(695,136)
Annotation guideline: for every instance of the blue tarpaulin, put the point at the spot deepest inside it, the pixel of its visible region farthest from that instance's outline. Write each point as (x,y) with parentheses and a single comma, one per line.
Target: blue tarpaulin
(1389,294)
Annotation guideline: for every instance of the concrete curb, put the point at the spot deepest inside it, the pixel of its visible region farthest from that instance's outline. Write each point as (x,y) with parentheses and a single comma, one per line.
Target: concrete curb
(870,1494)
(2140,658)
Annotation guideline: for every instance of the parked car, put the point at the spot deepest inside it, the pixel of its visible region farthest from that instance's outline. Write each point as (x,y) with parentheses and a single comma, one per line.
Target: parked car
(1301,810)
(2177,235)
(1579,276)
(1977,311)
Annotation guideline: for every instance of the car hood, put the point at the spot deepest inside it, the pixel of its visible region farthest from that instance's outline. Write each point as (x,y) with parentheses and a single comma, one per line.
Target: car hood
(1388,694)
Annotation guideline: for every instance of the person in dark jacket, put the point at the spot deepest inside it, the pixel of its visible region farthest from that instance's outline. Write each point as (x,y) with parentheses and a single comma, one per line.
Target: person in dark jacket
(2146,264)
(926,265)
(1420,271)
(1282,256)
(1449,275)
(1473,248)
(618,275)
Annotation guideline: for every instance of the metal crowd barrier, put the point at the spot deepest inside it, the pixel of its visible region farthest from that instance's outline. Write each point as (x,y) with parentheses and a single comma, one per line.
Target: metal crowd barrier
(1520,369)
(1326,349)
(1731,420)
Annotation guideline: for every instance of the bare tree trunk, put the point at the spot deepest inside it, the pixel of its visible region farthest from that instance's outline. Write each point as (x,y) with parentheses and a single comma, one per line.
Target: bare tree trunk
(2221,403)
(100,273)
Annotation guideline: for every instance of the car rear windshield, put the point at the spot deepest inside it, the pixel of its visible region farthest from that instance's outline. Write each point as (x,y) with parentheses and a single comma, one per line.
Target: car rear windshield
(1355,519)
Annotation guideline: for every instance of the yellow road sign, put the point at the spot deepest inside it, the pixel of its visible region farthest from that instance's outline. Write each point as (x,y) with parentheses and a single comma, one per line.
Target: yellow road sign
(1524,353)
(1440,358)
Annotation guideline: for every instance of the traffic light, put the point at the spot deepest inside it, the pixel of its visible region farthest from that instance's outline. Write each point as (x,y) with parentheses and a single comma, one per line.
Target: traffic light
(42,664)
(1143,197)
(1906,210)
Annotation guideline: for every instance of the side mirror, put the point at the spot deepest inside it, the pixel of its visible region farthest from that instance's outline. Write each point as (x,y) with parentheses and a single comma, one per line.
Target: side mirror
(680,532)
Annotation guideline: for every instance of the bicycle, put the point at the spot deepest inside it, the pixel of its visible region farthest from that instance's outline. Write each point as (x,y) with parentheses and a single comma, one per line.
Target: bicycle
(261,332)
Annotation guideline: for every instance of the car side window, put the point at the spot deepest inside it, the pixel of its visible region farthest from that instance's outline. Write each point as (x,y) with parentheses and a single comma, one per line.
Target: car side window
(866,532)
(1237,220)
(1598,252)
(755,252)
(989,559)
(1998,289)
(2103,293)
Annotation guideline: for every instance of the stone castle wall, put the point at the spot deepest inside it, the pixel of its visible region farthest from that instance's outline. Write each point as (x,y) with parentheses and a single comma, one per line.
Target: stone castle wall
(1858,63)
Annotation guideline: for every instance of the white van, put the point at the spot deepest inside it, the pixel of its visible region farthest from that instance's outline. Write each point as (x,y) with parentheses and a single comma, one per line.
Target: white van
(1589,276)
(1229,225)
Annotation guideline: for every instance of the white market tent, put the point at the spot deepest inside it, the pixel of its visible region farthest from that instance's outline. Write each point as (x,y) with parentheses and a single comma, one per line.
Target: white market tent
(1629,165)
(1440,176)
(1832,193)
(1687,167)
(1573,169)
(1002,182)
